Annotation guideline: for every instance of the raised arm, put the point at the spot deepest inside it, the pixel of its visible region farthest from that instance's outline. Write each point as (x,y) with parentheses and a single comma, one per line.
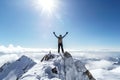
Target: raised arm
(55,35)
(65,34)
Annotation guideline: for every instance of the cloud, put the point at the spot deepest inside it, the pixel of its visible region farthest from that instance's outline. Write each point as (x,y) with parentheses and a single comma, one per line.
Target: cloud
(116,70)
(12,53)
(102,74)
(18,49)
(96,53)
(8,58)
(11,49)
(102,64)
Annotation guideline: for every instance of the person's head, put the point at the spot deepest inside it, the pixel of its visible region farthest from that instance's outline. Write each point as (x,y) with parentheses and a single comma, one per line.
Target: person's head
(60,35)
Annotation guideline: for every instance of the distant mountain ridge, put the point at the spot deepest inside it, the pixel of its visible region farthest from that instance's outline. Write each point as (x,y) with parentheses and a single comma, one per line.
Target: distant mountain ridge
(14,70)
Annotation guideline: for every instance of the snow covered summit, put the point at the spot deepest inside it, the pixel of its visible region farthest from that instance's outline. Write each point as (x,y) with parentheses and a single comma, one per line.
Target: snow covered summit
(14,70)
(55,67)
(51,67)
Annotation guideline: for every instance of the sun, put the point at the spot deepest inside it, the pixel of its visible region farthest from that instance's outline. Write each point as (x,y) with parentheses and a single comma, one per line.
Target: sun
(46,6)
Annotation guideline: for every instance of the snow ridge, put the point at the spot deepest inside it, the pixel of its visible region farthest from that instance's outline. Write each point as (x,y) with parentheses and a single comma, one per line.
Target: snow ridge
(14,70)
(56,68)
(51,67)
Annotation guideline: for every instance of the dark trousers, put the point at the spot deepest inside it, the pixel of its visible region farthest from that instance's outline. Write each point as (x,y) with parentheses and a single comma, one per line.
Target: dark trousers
(60,45)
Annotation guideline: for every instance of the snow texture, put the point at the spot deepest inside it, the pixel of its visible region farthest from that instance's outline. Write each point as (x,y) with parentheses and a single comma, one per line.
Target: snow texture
(14,70)
(67,69)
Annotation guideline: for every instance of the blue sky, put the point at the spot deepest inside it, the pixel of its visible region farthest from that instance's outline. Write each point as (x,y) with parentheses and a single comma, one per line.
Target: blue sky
(90,23)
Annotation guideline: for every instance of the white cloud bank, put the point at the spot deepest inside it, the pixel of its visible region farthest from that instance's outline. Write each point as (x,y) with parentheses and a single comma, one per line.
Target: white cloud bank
(102,64)
(18,49)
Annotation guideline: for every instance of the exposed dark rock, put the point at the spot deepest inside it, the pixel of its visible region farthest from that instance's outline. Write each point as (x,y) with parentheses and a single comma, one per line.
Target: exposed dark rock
(54,70)
(47,57)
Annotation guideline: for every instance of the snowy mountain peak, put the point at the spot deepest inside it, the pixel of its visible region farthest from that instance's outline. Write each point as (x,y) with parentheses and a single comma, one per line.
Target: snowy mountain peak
(54,67)
(14,70)
(25,59)
(51,67)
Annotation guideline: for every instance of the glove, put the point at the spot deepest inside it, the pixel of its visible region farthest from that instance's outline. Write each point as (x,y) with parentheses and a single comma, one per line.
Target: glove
(66,32)
(53,32)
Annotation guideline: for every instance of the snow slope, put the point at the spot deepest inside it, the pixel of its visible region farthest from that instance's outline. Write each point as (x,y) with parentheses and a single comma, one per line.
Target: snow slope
(58,68)
(14,70)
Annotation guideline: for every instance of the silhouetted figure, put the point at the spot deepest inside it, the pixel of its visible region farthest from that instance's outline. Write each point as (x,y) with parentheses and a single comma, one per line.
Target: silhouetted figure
(60,44)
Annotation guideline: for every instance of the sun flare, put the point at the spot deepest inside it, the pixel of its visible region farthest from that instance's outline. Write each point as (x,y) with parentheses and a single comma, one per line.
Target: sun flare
(46,6)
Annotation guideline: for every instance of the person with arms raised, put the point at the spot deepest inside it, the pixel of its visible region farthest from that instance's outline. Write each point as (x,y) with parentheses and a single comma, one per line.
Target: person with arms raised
(60,42)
